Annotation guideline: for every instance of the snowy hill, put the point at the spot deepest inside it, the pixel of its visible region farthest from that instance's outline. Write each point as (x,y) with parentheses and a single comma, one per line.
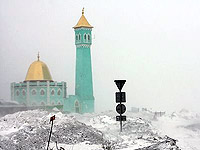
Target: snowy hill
(30,129)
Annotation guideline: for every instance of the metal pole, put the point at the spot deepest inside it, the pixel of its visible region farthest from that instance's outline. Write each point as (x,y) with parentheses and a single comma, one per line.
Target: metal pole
(121,121)
(50,134)
(120,113)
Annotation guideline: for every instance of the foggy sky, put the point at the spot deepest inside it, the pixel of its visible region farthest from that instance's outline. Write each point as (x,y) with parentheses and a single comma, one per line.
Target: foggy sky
(154,45)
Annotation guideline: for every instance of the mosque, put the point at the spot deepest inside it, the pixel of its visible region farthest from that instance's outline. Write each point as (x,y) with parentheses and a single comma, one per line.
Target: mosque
(40,90)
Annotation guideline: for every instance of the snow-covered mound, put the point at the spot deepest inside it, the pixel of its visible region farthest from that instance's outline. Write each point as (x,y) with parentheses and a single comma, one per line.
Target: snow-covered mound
(138,131)
(29,130)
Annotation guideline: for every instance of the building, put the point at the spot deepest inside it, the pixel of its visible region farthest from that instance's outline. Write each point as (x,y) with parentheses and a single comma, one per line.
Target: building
(39,89)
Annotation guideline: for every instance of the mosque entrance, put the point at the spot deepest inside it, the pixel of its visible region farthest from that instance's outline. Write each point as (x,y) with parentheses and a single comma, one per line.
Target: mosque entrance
(77,108)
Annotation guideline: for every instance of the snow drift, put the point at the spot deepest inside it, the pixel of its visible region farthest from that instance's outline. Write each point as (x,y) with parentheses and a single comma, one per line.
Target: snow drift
(29,130)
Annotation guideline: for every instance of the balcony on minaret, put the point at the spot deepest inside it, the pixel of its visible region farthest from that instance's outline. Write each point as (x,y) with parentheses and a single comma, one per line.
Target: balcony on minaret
(83,36)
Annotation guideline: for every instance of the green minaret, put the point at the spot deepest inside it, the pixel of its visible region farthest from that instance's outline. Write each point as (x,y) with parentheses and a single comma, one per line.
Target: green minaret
(84,85)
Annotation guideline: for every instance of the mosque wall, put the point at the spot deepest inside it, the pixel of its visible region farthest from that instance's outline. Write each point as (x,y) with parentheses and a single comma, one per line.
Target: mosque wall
(72,104)
(88,106)
(19,93)
(37,94)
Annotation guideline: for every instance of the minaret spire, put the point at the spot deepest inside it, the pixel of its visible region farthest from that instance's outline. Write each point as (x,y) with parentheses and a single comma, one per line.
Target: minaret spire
(82,22)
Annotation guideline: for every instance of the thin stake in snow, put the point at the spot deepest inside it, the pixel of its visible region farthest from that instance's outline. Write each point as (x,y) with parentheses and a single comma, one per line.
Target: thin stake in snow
(51,121)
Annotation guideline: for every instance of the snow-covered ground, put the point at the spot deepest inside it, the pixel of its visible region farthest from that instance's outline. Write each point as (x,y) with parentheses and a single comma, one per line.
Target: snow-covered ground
(29,130)
(183,126)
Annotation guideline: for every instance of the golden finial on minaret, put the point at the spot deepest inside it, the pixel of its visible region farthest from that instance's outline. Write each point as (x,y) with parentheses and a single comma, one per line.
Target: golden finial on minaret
(83,11)
(38,56)
(83,22)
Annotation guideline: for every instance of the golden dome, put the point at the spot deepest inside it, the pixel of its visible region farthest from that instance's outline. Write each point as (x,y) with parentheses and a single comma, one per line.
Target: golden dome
(38,71)
(82,22)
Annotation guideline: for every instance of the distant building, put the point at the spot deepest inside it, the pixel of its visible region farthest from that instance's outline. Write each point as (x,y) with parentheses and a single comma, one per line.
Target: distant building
(39,89)
(135,109)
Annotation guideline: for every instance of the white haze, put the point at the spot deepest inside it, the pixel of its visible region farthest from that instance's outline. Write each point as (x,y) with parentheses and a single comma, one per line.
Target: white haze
(154,45)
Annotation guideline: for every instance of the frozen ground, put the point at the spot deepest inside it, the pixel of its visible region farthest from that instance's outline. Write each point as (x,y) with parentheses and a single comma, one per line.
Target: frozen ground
(183,126)
(29,130)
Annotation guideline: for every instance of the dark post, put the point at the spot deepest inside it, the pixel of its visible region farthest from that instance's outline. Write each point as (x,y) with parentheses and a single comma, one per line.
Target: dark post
(51,120)
(120,113)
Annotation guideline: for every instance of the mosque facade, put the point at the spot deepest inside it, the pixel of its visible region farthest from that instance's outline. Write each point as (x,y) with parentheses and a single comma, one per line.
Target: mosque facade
(40,90)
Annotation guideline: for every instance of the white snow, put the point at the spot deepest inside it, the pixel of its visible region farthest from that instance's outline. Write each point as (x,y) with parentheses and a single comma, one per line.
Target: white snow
(180,126)
(93,131)
(81,146)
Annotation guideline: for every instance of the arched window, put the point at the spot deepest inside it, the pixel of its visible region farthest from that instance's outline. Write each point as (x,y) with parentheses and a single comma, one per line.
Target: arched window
(77,110)
(88,37)
(76,37)
(33,92)
(42,92)
(42,104)
(17,92)
(79,37)
(52,103)
(23,92)
(76,104)
(59,103)
(59,92)
(52,92)
(85,37)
